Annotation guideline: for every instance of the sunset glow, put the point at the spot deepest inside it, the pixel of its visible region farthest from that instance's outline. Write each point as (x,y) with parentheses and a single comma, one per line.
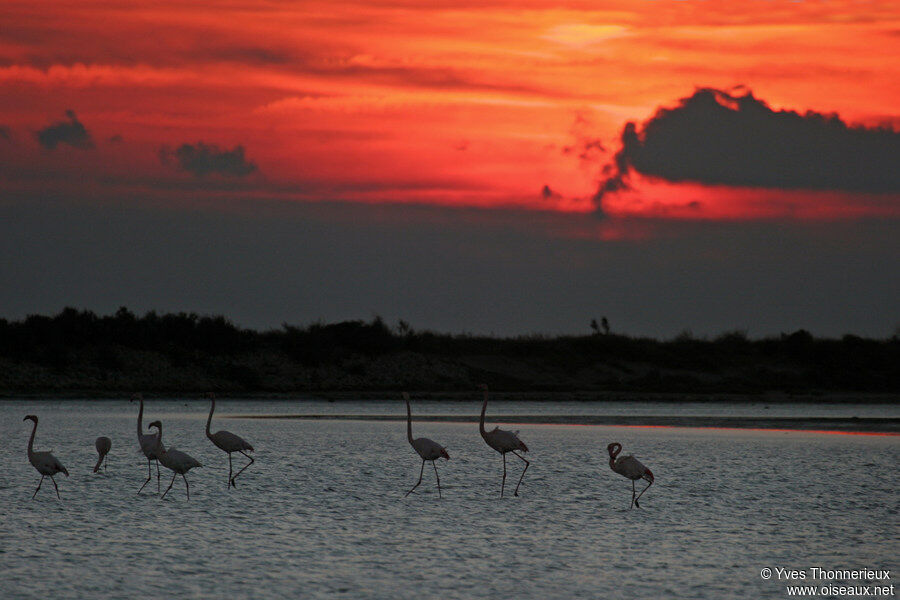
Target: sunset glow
(495,105)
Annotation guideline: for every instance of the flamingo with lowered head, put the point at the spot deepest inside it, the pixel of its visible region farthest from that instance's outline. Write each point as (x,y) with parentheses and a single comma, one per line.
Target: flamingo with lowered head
(502,441)
(45,463)
(175,460)
(630,467)
(148,444)
(229,442)
(426,448)
(103,444)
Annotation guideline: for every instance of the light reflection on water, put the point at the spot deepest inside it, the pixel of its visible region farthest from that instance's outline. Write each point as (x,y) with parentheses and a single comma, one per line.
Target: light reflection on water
(322,513)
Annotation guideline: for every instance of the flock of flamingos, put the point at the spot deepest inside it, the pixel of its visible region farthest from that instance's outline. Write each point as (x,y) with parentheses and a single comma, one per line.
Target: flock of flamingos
(180,463)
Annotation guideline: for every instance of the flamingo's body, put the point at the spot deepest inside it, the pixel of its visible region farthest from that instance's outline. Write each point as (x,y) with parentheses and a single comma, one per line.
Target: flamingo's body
(630,467)
(149,445)
(229,442)
(175,460)
(427,449)
(103,444)
(503,441)
(45,463)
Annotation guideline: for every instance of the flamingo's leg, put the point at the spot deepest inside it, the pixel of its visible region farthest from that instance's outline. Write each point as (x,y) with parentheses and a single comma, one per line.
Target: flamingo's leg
(641,494)
(245,466)
(230,482)
(632,494)
(422,470)
(438,478)
(174,475)
(516,493)
(503,483)
(38,487)
(149,477)
(57,489)
(157,475)
(145,483)
(186,486)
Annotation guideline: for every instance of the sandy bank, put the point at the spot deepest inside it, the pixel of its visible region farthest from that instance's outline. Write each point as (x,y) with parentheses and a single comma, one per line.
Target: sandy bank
(889,426)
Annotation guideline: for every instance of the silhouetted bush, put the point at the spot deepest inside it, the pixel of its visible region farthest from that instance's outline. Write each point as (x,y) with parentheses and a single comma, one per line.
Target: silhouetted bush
(212,348)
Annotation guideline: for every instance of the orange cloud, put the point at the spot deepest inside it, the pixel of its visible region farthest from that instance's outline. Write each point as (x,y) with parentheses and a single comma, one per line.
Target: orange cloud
(458,104)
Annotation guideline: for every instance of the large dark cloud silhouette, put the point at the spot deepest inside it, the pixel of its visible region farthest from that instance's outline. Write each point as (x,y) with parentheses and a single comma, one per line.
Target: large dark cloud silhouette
(718,138)
(202,159)
(71,132)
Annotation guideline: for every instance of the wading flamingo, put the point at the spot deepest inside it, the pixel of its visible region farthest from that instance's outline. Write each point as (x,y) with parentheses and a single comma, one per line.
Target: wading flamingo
(176,460)
(45,463)
(148,444)
(630,467)
(502,441)
(427,449)
(229,442)
(103,444)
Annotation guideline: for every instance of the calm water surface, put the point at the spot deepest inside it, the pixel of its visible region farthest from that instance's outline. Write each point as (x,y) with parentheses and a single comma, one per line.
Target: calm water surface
(322,515)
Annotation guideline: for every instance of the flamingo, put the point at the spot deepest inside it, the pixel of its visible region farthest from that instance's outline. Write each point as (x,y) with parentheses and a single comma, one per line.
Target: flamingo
(148,444)
(176,460)
(630,467)
(103,444)
(502,441)
(45,463)
(427,449)
(229,442)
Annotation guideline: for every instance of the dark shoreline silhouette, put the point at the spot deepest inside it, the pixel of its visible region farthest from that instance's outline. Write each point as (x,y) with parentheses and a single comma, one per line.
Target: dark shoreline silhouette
(80,353)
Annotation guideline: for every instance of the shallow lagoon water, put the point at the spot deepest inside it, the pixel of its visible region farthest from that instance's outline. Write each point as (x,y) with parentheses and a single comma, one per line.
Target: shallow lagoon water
(322,514)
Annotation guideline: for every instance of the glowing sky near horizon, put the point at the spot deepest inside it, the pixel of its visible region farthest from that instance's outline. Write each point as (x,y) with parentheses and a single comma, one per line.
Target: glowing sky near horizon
(491,104)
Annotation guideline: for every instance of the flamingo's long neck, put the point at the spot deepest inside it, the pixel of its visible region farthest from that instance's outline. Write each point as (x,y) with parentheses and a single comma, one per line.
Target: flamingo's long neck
(408,422)
(212,407)
(31,440)
(140,419)
(483,410)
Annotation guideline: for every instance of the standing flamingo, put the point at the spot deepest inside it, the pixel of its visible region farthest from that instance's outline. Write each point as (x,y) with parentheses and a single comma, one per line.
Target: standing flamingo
(229,442)
(427,449)
(176,460)
(502,441)
(630,467)
(45,463)
(148,444)
(103,444)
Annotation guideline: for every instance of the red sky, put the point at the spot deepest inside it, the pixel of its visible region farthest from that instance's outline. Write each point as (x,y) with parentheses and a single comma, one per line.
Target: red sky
(451,103)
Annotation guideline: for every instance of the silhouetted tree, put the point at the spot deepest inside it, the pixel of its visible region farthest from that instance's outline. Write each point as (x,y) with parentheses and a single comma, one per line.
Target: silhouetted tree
(403,328)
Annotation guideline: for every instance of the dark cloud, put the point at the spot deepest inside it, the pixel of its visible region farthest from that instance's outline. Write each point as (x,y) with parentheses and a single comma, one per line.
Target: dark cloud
(5,133)
(548,194)
(586,147)
(252,55)
(71,132)
(202,159)
(115,139)
(720,138)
